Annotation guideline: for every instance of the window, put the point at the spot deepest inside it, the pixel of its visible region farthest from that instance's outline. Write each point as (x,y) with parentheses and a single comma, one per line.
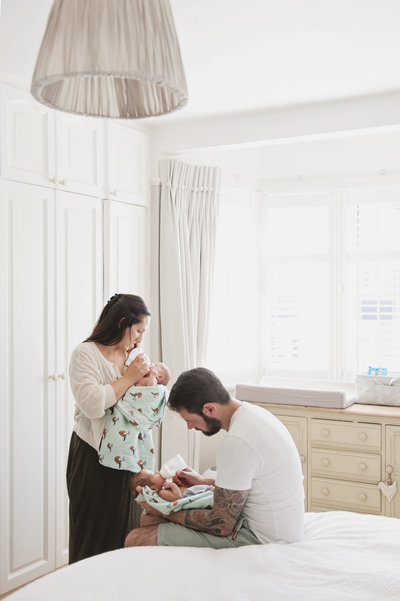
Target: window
(307,285)
(371,272)
(233,338)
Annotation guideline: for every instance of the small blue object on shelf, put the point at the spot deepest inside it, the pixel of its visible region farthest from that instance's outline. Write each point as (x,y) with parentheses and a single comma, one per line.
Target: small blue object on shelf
(377,371)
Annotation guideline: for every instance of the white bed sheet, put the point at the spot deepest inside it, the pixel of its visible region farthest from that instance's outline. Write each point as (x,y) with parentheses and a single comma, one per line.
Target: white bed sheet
(345,556)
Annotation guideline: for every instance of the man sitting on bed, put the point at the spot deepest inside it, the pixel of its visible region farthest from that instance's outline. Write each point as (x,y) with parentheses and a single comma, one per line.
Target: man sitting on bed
(259,495)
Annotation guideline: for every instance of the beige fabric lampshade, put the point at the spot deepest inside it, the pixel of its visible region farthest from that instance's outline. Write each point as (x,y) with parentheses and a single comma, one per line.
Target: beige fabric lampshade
(110,58)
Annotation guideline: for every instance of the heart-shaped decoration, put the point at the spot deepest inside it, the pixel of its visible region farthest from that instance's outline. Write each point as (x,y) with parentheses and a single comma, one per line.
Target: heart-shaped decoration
(389,490)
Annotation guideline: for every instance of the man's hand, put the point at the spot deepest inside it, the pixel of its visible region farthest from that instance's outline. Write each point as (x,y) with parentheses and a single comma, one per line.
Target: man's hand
(189,477)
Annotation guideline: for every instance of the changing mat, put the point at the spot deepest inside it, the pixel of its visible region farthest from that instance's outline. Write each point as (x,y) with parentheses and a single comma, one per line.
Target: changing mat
(198,501)
(292,394)
(127,442)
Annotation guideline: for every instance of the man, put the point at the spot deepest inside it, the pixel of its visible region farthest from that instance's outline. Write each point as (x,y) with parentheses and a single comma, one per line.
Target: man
(259,496)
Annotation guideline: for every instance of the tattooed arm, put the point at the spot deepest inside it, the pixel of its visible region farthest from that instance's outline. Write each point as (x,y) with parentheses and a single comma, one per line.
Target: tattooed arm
(221,519)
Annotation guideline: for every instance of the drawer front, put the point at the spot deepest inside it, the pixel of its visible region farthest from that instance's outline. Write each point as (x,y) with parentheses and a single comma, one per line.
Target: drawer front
(345,495)
(358,467)
(327,433)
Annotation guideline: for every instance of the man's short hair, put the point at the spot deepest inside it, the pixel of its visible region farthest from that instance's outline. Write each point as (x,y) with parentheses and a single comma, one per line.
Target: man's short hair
(196,387)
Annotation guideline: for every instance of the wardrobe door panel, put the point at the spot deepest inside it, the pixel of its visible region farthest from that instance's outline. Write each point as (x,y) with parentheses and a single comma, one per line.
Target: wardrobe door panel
(79,297)
(27,367)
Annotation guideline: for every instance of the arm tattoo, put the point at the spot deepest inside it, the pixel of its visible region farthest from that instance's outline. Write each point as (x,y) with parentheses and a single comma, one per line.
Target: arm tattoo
(221,519)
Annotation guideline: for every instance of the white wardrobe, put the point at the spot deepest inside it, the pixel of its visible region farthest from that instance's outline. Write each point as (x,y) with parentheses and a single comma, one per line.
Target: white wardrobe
(73,231)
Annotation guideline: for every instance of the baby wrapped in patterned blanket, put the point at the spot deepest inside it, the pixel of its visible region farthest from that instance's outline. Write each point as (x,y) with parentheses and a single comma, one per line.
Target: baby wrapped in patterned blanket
(167,496)
(127,442)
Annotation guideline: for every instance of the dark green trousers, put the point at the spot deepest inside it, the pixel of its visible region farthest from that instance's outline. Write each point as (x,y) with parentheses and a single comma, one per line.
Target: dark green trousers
(101,508)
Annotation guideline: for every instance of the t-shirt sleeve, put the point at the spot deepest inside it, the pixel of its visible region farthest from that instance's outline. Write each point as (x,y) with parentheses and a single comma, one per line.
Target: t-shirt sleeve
(91,395)
(237,464)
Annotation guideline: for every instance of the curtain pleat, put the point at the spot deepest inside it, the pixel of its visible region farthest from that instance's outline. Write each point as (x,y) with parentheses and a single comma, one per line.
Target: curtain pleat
(188,218)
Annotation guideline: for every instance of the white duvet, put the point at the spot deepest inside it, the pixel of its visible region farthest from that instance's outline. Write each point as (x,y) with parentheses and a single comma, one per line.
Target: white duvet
(345,556)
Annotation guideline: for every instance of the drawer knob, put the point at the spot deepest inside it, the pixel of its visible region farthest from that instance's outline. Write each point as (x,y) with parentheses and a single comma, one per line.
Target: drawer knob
(362,466)
(363,496)
(302,459)
(325,432)
(325,461)
(363,436)
(325,491)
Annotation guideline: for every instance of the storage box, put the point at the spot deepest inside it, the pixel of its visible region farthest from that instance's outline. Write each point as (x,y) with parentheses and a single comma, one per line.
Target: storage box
(378,390)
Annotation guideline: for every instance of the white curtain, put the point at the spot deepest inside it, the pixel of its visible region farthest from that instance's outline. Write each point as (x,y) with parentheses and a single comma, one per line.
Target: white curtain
(188,216)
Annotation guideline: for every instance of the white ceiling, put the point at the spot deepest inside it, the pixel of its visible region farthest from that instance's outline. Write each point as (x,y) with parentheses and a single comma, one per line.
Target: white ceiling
(243,55)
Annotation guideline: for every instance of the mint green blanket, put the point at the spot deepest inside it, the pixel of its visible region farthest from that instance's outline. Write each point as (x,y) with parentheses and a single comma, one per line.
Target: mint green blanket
(199,501)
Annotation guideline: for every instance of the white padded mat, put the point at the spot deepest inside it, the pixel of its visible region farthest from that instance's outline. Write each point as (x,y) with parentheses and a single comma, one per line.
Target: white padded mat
(289,394)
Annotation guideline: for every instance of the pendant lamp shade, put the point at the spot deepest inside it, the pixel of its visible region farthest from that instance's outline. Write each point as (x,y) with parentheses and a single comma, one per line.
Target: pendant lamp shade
(110,58)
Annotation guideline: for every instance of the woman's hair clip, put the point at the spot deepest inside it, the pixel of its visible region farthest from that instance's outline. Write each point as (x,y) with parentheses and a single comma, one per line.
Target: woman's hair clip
(113,298)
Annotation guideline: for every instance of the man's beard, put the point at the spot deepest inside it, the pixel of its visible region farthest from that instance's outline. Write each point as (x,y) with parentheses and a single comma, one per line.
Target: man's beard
(214,425)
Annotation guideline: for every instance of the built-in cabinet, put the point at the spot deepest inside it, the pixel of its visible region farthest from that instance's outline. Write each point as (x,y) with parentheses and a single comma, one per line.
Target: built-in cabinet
(126,243)
(127,176)
(87,155)
(65,247)
(346,454)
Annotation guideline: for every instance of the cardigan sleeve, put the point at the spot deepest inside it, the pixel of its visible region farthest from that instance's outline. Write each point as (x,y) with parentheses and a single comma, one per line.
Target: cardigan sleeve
(91,394)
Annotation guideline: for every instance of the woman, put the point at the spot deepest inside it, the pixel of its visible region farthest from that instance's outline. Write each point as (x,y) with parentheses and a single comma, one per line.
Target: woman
(100,497)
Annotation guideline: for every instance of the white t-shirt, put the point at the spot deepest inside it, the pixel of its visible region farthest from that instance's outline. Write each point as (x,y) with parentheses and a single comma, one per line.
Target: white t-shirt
(258,454)
(90,374)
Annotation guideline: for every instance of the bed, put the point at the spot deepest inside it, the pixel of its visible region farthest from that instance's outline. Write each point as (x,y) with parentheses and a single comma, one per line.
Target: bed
(345,556)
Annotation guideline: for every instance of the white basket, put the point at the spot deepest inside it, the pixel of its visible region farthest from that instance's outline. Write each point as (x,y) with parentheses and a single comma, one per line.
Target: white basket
(378,390)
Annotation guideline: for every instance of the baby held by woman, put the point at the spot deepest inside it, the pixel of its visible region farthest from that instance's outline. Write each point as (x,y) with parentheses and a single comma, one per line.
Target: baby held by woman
(126,442)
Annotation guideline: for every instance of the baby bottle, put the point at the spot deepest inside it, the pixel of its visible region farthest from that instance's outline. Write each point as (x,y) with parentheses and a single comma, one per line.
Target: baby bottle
(172,466)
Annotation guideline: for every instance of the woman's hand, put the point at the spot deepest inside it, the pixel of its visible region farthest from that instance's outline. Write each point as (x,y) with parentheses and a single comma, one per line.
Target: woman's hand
(139,367)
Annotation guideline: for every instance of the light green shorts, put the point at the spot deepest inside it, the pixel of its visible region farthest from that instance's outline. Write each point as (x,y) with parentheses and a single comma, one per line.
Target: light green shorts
(175,535)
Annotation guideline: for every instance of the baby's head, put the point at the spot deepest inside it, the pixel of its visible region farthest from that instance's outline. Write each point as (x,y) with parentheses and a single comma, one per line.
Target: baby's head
(163,374)
(147,478)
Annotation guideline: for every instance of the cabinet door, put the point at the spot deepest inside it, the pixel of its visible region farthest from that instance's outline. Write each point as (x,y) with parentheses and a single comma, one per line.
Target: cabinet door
(27,401)
(79,293)
(80,154)
(27,140)
(127,164)
(393,460)
(126,259)
(297,427)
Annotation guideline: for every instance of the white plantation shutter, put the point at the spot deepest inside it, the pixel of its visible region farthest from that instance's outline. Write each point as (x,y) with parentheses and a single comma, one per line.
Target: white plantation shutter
(296,308)
(315,293)
(234,326)
(372,281)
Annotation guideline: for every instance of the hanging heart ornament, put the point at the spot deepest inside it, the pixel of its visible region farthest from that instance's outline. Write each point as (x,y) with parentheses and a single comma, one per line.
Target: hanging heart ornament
(389,490)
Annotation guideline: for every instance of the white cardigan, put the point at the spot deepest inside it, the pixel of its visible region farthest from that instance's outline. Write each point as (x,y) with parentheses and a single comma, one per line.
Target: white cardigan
(90,374)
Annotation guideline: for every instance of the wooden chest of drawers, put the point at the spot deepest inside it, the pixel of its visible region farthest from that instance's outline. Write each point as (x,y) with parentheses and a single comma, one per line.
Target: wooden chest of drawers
(345,454)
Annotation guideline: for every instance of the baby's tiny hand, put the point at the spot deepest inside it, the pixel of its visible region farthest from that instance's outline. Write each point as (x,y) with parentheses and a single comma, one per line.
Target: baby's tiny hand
(139,489)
